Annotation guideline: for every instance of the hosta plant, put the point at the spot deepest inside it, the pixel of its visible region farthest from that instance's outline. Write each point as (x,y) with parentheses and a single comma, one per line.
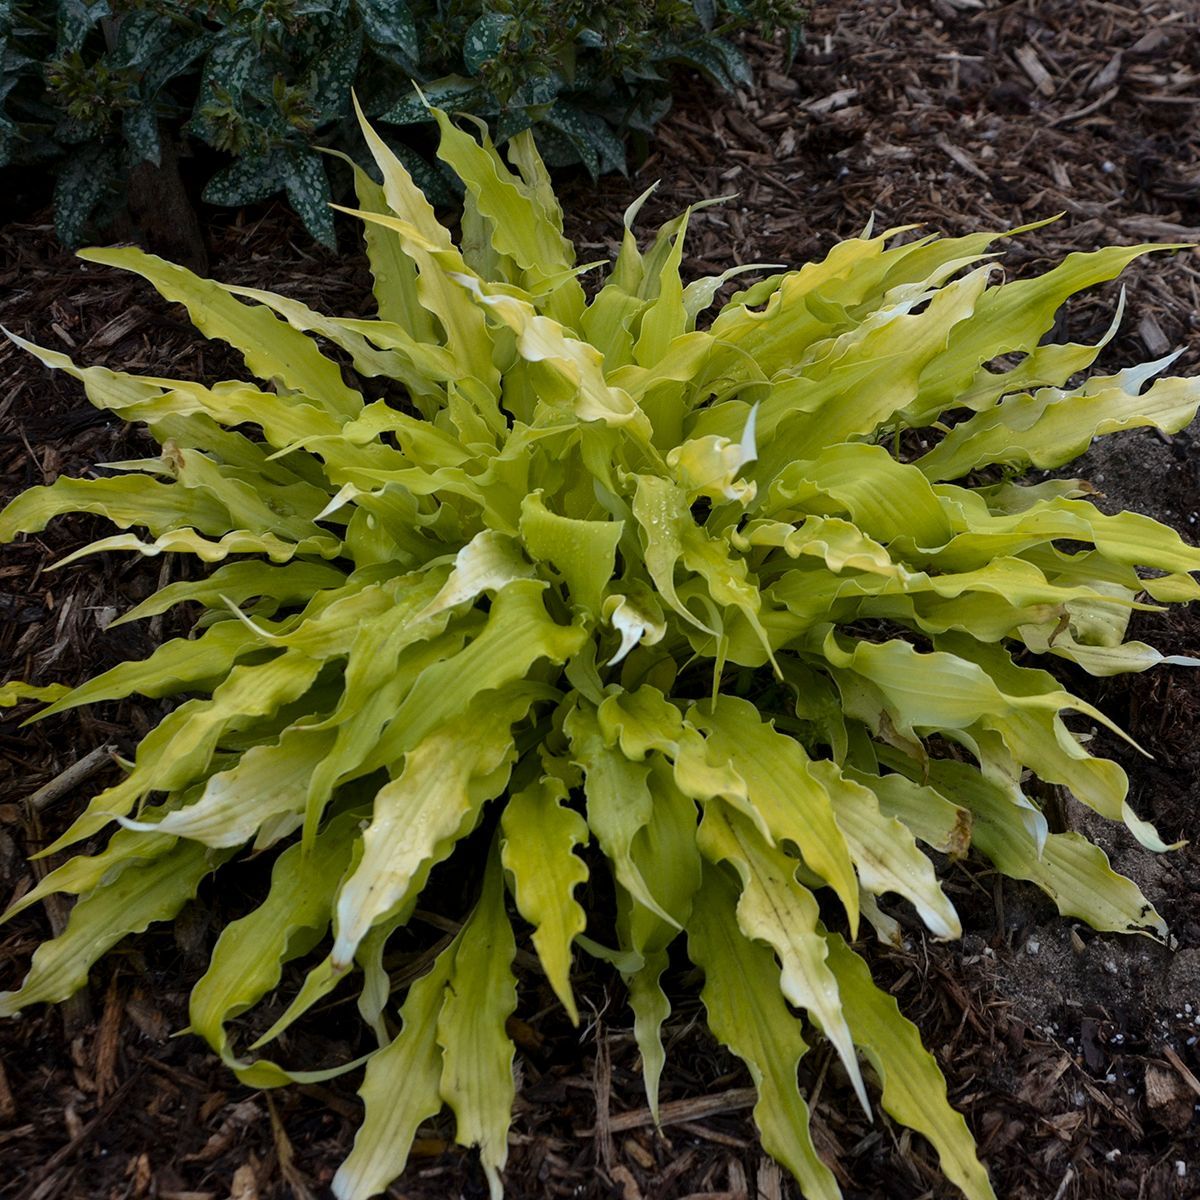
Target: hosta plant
(594,591)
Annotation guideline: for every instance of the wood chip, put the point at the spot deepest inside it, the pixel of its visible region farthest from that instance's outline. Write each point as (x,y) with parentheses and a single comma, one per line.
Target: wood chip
(737,1179)
(770,1180)
(1185,1074)
(602,1089)
(1108,75)
(240,1117)
(120,327)
(108,1041)
(1027,56)
(624,1177)
(150,1021)
(1150,331)
(245,1184)
(140,1176)
(640,1155)
(1168,1099)
(1157,227)
(747,129)
(834,100)
(713,1135)
(8,1106)
(63,334)
(1150,43)
(959,156)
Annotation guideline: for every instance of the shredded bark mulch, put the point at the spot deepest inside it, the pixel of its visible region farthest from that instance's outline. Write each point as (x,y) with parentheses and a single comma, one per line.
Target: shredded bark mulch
(1073,1055)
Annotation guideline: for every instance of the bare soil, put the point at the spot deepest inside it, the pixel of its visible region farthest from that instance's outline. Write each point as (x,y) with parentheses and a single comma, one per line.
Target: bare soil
(1075,1056)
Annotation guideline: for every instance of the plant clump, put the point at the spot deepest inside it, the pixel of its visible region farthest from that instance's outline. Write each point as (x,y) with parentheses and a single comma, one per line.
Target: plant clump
(745,610)
(95,90)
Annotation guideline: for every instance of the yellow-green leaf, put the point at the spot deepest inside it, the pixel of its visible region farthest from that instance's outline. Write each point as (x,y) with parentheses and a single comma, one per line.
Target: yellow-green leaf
(477,1055)
(747,1013)
(914,1090)
(540,833)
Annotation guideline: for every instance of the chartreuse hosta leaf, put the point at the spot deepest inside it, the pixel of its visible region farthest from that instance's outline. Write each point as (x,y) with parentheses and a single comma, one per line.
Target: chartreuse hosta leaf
(603,586)
(541,832)
(748,1014)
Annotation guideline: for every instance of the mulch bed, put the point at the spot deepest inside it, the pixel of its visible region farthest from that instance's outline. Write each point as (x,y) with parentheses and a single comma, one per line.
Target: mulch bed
(1074,1056)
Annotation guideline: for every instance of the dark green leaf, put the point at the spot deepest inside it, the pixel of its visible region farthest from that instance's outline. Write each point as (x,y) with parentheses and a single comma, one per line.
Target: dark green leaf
(716,59)
(307,188)
(230,63)
(706,11)
(76,18)
(736,66)
(245,181)
(451,93)
(140,127)
(542,89)
(599,149)
(174,61)
(406,69)
(228,71)
(70,132)
(335,77)
(556,148)
(142,38)
(483,40)
(322,16)
(12,67)
(511,123)
(437,187)
(8,136)
(81,184)
(649,110)
(390,23)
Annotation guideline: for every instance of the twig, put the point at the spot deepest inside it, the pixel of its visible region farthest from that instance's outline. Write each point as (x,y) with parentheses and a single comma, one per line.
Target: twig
(76,774)
(1086,111)
(678,1111)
